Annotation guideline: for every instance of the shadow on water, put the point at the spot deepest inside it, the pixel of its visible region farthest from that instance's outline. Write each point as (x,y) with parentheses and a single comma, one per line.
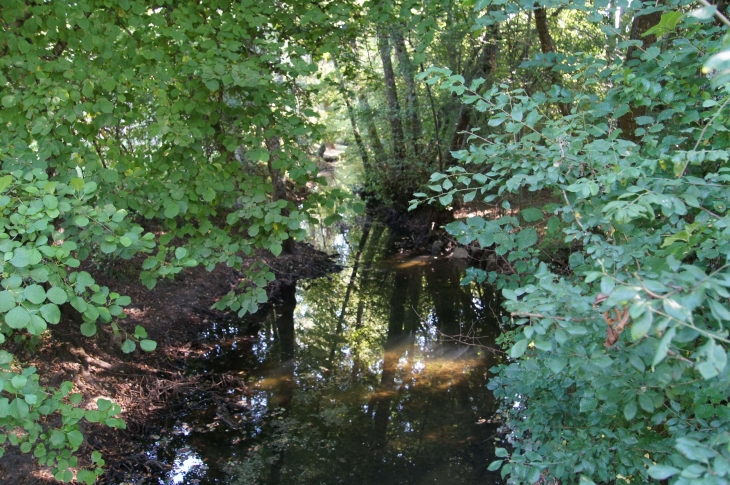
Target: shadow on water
(352,379)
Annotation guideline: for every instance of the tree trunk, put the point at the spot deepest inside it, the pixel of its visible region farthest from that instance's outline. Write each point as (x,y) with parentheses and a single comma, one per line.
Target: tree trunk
(278,180)
(391,94)
(640,24)
(353,122)
(486,65)
(436,125)
(462,123)
(547,46)
(376,144)
(412,110)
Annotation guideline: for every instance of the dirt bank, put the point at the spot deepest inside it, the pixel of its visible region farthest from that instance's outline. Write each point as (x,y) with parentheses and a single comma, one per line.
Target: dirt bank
(147,386)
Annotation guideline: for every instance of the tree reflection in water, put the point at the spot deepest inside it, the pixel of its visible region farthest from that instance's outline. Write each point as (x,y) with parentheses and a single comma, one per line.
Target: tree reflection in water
(364,387)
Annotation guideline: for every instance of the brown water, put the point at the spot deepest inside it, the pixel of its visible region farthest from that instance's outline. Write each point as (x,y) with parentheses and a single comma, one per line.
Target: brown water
(353,379)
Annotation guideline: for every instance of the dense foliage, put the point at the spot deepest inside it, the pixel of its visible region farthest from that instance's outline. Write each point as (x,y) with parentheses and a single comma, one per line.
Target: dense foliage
(619,370)
(173,129)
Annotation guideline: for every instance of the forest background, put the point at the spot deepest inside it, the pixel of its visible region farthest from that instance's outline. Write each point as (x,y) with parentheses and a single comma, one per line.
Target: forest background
(591,139)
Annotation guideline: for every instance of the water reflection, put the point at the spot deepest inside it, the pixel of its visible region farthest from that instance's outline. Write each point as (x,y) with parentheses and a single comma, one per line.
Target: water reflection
(352,381)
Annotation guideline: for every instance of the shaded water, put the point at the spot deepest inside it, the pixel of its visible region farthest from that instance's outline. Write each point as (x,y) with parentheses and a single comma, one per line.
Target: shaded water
(352,379)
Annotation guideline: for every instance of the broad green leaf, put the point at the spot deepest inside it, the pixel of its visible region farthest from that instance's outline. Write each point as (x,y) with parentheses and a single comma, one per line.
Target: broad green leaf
(526,238)
(128,346)
(7,301)
(18,317)
(531,214)
(37,325)
(21,258)
(75,438)
(35,294)
(148,345)
(51,313)
(57,295)
(662,472)
(88,329)
(518,349)
(630,410)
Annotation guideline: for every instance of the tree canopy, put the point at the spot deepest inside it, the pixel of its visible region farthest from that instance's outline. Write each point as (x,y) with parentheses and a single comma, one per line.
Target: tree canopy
(177,134)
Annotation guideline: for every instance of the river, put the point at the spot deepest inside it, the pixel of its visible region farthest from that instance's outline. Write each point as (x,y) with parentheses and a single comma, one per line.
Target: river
(374,375)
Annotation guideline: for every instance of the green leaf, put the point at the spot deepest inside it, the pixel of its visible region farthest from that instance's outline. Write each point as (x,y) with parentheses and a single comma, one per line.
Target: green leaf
(88,329)
(209,195)
(180,253)
(501,452)
(5,357)
(51,313)
(518,349)
(630,410)
(106,106)
(77,184)
(21,258)
(35,294)
(9,100)
(663,348)
(57,295)
(86,476)
(275,249)
(446,199)
(75,438)
(19,381)
(172,210)
(531,214)
(7,301)
(18,317)
(526,238)
(81,221)
(148,345)
(646,402)
(19,409)
(662,472)
(37,325)
(495,465)
(140,332)
(557,364)
(128,346)
(641,325)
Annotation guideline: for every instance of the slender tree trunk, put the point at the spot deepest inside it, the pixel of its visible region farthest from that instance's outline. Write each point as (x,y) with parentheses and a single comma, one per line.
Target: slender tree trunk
(486,65)
(348,292)
(412,110)
(462,123)
(278,180)
(436,125)
(391,94)
(640,24)
(353,122)
(547,46)
(376,144)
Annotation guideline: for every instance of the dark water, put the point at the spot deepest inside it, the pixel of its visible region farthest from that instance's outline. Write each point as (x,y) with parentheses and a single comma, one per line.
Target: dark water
(355,379)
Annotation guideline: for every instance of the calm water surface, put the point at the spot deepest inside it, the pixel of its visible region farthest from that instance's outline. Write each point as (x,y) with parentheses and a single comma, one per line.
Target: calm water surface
(353,379)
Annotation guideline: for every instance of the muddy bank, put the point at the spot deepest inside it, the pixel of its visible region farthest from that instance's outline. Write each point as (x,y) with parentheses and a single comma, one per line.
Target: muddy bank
(147,386)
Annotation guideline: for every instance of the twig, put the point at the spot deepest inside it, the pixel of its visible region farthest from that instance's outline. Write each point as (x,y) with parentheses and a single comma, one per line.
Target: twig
(565,196)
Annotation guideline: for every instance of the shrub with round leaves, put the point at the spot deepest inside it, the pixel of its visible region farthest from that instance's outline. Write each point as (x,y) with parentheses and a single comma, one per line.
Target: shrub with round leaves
(618,369)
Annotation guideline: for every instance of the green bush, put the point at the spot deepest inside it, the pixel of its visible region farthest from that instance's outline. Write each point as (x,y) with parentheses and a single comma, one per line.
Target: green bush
(618,370)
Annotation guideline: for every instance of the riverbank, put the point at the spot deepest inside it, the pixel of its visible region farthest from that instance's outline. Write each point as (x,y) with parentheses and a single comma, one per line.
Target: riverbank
(147,386)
